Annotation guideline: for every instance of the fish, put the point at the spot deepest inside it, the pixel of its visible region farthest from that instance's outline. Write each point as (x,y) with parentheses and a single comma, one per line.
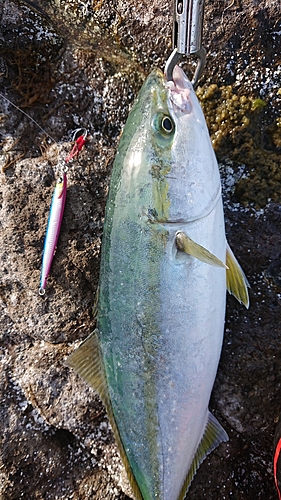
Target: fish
(165,267)
(53,230)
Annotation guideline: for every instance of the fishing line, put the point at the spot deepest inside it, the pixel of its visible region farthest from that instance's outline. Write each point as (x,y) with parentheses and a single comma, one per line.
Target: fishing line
(79,142)
(28,116)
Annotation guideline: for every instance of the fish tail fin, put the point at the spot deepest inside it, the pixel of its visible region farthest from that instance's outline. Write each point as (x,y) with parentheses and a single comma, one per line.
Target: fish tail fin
(214,435)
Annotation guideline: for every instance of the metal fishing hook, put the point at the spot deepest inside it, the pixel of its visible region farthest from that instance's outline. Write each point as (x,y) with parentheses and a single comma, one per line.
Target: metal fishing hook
(76,131)
(79,143)
(187,36)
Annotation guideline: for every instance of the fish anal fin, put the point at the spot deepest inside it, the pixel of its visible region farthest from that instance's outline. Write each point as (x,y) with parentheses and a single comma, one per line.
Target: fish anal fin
(87,362)
(236,281)
(214,435)
(187,245)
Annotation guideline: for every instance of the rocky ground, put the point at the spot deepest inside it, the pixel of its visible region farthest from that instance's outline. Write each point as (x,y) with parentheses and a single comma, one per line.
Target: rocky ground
(72,64)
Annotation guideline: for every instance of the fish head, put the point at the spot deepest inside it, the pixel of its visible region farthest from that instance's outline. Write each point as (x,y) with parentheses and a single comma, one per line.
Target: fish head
(166,155)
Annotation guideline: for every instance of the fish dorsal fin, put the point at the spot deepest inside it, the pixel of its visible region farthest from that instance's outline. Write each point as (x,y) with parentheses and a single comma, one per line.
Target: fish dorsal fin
(87,362)
(214,435)
(187,245)
(236,281)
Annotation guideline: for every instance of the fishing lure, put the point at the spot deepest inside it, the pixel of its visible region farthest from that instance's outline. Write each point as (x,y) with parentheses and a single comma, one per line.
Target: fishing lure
(53,230)
(79,143)
(56,213)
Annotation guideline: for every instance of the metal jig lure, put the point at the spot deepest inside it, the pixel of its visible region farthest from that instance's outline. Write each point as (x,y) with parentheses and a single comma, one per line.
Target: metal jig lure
(53,230)
(56,212)
(187,36)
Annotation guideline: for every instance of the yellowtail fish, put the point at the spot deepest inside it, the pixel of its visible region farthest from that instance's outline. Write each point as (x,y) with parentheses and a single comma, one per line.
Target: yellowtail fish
(165,267)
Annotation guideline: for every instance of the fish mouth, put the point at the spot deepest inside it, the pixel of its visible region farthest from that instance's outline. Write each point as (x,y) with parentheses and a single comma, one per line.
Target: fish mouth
(180,79)
(179,91)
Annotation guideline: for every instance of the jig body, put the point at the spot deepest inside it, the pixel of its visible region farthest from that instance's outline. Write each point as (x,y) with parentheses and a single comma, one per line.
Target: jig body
(53,230)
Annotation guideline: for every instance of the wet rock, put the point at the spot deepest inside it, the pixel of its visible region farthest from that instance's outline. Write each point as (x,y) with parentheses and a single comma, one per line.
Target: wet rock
(76,64)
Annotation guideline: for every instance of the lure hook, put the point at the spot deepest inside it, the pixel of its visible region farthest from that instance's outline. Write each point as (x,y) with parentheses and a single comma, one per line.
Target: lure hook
(79,143)
(187,36)
(77,130)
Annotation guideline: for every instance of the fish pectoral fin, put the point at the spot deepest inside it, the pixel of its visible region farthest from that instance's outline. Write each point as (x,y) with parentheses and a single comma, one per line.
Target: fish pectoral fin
(87,362)
(187,245)
(236,281)
(214,435)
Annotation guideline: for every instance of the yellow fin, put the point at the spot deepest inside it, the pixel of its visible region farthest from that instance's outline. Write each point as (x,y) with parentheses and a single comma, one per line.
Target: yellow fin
(214,435)
(87,362)
(236,281)
(187,245)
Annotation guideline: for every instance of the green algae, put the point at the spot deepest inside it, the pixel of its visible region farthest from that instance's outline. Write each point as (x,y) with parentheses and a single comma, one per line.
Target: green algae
(258,103)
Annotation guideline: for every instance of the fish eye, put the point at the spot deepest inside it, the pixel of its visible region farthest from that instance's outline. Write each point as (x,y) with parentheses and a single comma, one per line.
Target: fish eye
(167,124)
(163,125)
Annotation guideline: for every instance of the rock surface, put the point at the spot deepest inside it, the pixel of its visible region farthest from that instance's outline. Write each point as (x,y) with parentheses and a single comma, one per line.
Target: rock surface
(72,64)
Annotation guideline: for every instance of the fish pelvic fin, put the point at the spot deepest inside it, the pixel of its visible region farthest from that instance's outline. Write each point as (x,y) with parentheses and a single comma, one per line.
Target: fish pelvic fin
(187,245)
(87,362)
(214,435)
(236,281)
